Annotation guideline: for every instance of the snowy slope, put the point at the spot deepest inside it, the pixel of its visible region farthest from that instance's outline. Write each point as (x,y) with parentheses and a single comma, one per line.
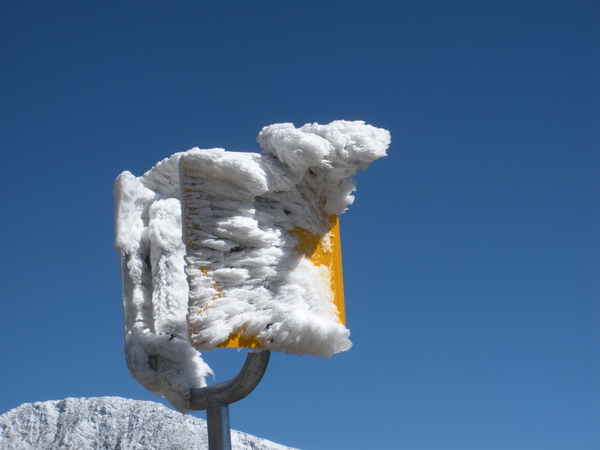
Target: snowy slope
(110,423)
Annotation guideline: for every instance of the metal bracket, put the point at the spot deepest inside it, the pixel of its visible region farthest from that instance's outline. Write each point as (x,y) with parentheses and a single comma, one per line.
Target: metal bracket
(215,399)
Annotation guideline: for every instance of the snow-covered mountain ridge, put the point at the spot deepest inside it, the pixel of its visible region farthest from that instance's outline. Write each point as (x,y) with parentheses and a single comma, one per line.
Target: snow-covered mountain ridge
(110,423)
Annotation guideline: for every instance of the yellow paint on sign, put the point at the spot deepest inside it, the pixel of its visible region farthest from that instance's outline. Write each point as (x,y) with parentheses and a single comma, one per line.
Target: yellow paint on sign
(239,341)
(325,251)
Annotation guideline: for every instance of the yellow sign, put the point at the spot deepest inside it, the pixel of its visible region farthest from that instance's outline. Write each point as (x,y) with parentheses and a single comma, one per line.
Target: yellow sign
(324,251)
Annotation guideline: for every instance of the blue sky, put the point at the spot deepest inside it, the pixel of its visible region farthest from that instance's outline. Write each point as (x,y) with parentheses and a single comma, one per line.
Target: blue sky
(471,254)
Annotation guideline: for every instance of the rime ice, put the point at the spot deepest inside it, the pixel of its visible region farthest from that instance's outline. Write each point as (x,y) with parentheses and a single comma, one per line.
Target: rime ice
(219,246)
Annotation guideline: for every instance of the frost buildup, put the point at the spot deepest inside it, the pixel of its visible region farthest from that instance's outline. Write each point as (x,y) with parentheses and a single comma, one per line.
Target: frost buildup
(238,249)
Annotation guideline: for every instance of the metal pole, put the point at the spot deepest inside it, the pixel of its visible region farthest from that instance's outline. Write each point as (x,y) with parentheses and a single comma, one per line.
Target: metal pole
(215,399)
(219,428)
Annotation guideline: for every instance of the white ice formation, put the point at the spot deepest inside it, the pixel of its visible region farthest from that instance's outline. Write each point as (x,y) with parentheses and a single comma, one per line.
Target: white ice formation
(110,422)
(219,246)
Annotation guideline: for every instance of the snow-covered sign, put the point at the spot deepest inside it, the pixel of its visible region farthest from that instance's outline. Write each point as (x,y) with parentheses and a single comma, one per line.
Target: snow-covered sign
(238,249)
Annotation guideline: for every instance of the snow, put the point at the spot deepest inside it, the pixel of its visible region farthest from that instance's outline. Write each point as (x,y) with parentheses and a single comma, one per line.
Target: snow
(148,235)
(225,247)
(110,422)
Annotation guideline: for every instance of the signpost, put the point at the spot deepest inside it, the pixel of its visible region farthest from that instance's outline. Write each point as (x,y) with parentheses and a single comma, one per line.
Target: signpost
(227,249)
(216,399)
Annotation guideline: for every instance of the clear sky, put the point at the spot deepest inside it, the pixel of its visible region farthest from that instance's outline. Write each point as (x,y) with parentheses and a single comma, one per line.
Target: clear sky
(471,254)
